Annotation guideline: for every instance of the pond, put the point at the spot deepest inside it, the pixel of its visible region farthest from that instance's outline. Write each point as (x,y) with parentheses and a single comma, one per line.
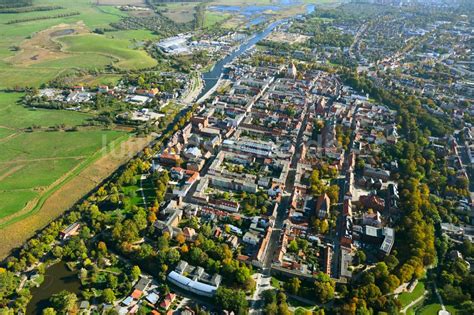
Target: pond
(57,278)
(65,32)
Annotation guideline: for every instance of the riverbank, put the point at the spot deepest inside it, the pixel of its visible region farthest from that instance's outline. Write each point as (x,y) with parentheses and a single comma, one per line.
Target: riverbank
(211,78)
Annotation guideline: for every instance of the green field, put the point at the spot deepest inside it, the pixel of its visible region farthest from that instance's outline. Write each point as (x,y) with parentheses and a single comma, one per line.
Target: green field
(31,162)
(80,61)
(212,18)
(133,35)
(15,116)
(116,48)
(102,79)
(85,52)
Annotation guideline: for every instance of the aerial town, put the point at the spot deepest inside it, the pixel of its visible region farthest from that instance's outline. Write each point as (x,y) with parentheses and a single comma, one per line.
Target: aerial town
(327,169)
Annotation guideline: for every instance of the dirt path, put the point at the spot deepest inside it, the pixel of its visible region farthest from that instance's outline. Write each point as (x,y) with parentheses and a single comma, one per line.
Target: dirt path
(66,196)
(439,298)
(413,303)
(11,171)
(79,157)
(9,137)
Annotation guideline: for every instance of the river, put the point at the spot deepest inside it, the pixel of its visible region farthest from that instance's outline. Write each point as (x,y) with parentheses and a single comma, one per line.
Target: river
(211,77)
(57,278)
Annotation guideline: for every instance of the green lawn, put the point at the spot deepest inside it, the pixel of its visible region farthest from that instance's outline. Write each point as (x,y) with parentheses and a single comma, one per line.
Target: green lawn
(180,12)
(242,2)
(17,76)
(102,79)
(429,306)
(406,297)
(432,309)
(132,191)
(93,16)
(60,145)
(33,175)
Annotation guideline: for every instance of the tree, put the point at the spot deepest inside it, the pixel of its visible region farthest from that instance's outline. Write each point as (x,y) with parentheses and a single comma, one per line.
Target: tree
(108,295)
(152,217)
(197,256)
(112,281)
(269,296)
(49,311)
(231,300)
(324,290)
(242,274)
(333,193)
(173,256)
(360,257)
(391,261)
(162,243)
(102,247)
(271,309)
(294,285)
(136,272)
(140,219)
(321,226)
(293,246)
(8,283)
(180,238)
(57,251)
(64,301)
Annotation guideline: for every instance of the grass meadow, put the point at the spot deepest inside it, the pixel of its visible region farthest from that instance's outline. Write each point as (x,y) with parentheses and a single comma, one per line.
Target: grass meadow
(118,49)
(14,116)
(32,162)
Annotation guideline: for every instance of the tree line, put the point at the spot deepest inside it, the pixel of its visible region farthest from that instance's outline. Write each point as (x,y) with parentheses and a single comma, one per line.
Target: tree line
(38,18)
(30,9)
(15,3)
